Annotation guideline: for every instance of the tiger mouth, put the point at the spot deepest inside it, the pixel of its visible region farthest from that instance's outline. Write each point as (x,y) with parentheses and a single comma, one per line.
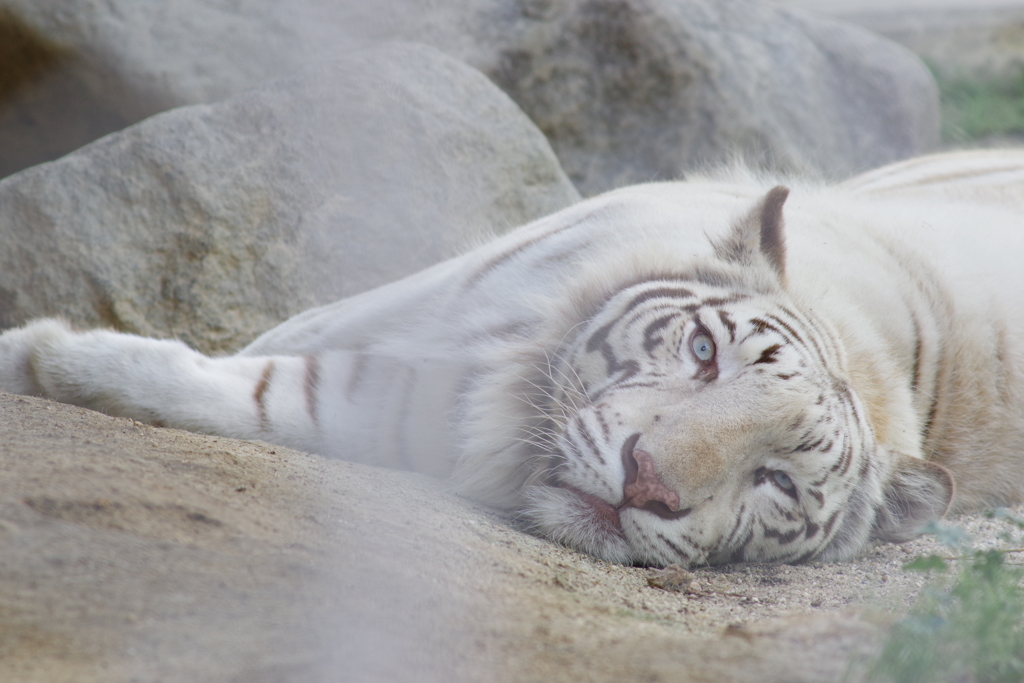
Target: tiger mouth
(602,513)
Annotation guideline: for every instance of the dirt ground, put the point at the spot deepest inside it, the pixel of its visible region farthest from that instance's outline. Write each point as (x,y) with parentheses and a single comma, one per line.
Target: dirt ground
(133,553)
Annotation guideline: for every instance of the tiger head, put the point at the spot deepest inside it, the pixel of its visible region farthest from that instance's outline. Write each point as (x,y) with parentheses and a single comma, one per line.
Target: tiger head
(702,417)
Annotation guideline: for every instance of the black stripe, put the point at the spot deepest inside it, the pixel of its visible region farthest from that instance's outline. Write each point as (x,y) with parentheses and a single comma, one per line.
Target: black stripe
(485,269)
(729,324)
(676,549)
(311,386)
(915,378)
(811,336)
(842,466)
(926,432)
(810,528)
(646,540)
(589,439)
(723,300)
(760,325)
(736,527)
(630,385)
(599,342)
(657,293)
(573,450)
(831,522)
(605,429)
(786,326)
(259,395)
(650,340)
(806,446)
(768,355)
(783,538)
(739,552)
(864,467)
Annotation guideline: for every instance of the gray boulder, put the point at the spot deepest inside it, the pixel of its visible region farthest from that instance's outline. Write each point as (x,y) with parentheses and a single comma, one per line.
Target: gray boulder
(635,90)
(82,69)
(625,90)
(213,223)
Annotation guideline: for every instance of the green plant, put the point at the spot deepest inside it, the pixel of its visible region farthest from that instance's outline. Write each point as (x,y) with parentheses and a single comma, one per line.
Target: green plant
(967,625)
(978,108)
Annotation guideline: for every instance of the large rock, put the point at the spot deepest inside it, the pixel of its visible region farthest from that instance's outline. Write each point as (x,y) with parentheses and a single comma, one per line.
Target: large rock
(76,70)
(626,90)
(214,223)
(635,90)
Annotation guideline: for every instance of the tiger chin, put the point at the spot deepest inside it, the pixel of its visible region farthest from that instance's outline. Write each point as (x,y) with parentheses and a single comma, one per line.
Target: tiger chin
(702,372)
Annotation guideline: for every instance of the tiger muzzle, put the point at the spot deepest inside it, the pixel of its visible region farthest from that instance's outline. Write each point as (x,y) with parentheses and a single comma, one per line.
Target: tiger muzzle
(643,489)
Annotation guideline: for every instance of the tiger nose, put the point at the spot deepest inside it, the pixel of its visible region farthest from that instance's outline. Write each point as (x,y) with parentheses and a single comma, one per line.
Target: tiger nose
(643,489)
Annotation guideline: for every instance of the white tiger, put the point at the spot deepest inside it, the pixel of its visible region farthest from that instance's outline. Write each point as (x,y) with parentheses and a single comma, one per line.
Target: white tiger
(661,374)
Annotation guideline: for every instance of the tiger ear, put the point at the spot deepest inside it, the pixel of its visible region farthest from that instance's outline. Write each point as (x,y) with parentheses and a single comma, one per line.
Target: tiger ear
(759,232)
(917,493)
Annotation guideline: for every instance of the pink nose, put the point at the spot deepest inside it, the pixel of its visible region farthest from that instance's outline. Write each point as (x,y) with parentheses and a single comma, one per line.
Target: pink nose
(644,490)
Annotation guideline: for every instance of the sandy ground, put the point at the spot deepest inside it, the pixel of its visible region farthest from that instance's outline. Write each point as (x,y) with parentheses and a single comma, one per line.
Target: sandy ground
(133,553)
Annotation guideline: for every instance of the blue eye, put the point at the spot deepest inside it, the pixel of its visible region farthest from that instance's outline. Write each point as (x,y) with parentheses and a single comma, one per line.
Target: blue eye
(703,347)
(783,481)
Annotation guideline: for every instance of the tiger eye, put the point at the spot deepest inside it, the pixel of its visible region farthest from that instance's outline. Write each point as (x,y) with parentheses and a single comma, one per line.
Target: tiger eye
(783,480)
(703,347)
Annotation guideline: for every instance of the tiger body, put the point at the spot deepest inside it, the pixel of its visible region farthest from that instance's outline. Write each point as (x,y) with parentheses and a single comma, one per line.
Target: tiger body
(692,372)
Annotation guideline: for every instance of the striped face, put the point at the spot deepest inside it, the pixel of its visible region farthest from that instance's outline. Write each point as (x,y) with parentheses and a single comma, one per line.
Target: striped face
(692,425)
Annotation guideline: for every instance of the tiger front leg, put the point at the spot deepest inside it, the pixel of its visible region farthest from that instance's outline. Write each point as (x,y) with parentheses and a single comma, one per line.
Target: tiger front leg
(18,352)
(162,382)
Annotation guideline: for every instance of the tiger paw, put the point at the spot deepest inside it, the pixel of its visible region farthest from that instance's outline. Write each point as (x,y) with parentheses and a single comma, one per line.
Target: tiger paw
(19,349)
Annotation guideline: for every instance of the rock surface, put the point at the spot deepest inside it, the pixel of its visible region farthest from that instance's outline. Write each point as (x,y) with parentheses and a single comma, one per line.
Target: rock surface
(86,68)
(634,90)
(961,38)
(626,90)
(214,223)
